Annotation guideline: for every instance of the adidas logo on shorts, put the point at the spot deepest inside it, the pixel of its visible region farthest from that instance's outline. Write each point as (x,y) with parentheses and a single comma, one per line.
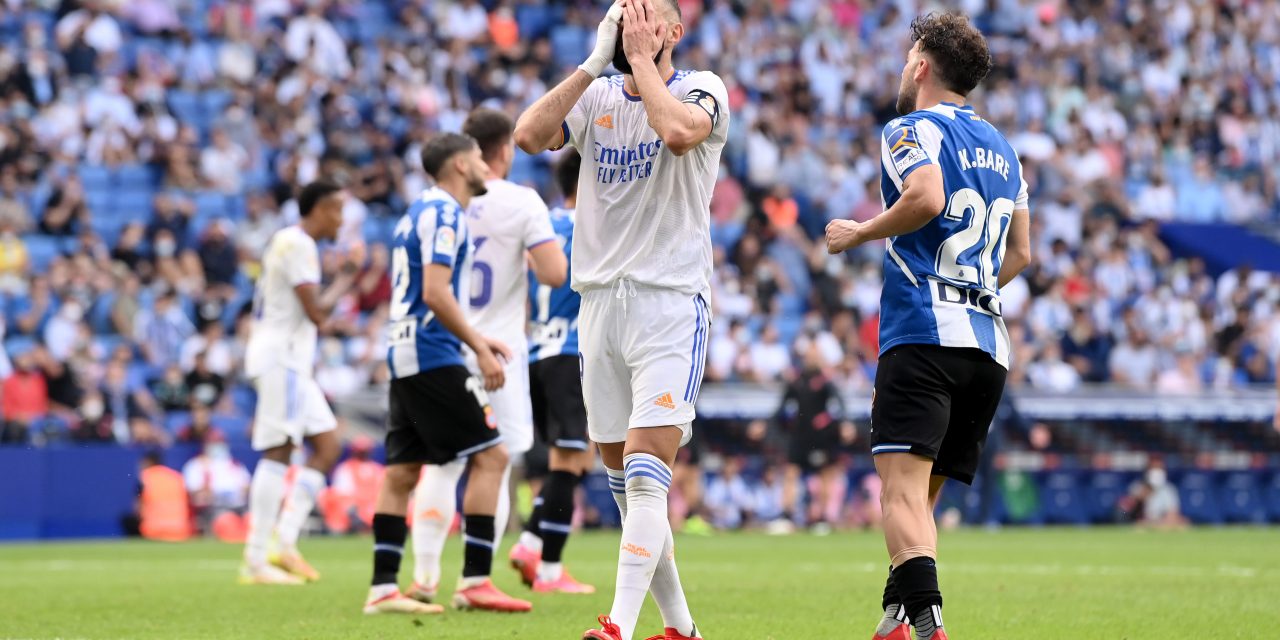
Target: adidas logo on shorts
(665,401)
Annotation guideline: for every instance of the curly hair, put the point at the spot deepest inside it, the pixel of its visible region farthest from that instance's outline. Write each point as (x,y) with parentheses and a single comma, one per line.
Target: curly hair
(956,48)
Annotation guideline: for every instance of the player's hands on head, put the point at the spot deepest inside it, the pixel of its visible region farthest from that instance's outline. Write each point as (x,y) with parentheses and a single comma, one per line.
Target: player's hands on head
(606,42)
(842,235)
(643,31)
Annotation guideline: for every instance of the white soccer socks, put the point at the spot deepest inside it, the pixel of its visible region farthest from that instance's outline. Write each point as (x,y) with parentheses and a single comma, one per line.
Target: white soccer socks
(306,487)
(646,561)
(435,502)
(266,492)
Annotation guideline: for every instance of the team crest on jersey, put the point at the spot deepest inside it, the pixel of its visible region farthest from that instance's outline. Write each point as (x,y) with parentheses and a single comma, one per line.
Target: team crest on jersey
(446,240)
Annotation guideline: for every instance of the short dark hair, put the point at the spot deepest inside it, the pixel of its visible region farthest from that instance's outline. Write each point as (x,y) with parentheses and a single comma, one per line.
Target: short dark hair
(440,148)
(567,173)
(492,130)
(955,47)
(313,193)
(675,6)
(151,457)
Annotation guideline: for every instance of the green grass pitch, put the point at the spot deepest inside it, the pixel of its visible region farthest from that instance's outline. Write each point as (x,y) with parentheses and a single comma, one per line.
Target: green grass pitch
(1064,584)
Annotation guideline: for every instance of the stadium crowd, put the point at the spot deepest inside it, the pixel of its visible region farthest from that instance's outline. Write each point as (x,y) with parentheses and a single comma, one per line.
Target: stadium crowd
(148,150)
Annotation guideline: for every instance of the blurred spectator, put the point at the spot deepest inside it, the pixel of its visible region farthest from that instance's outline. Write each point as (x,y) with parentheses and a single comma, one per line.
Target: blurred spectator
(163,512)
(728,499)
(128,408)
(24,398)
(1157,500)
(200,427)
(13,259)
(769,357)
(161,330)
(255,231)
(1049,372)
(66,209)
(215,482)
(218,257)
(206,386)
(85,33)
(1200,198)
(349,503)
(374,284)
(171,391)
(1134,361)
(335,374)
(312,41)
(223,163)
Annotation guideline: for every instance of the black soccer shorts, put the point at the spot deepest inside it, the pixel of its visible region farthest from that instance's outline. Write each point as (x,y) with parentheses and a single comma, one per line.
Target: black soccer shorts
(937,402)
(555,387)
(438,416)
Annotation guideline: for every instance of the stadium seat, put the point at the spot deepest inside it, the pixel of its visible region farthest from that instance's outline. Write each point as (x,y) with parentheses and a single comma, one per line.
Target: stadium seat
(138,177)
(14,345)
(597,493)
(135,203)
(41,250)
(234,427)
(1242,498)
(244,398)
(98,198)
(1062,500)
(175,420)
(184,105)
(94,178)
(213,103)
(211,203)
(1201,500)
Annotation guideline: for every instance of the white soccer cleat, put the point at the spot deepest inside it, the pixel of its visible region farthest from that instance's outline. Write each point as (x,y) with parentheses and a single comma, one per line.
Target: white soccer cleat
(396,602)
(267,574)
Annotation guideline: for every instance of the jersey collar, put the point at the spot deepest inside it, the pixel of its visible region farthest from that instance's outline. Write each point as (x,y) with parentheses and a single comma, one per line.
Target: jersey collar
(626,94)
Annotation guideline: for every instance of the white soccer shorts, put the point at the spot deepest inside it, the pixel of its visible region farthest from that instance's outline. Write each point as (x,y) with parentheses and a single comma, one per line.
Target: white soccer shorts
(511,404)
(291,406)
(643,354)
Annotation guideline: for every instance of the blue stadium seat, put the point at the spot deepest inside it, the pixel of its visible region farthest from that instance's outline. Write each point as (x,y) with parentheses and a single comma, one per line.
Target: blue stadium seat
(98,198)
(244,398)
(1242,497)
(1201,500)
(41,250)
(214,102)
(1061,498)
(99,316)
(138,177)
(175,420)
(14,345)
(210,203)
(135,203)
(94,178)
(234,427)
(139,373)
(109,342)
(596,491)
(184,105)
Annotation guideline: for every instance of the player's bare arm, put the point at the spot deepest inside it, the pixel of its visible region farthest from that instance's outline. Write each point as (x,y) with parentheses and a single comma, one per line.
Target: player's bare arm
(318,305)
(539,127)
(923,198)
(680,125)
(1017,247)
(550,266)
(438,294)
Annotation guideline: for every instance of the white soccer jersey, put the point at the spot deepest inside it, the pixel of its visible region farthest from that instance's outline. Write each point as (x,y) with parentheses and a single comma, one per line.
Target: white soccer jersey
(282,334)
(643,212)
(504,223)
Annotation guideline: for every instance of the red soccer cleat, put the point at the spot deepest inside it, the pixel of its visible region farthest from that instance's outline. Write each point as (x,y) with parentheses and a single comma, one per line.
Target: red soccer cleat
(607,631)
(566,584)
(901,632)
(525,560)
(486,597)
(671,633)
(939,634)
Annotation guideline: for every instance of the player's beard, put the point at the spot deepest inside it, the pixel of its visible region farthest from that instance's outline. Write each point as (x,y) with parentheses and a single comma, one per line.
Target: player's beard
(907,98)
(620,56)
(477,185)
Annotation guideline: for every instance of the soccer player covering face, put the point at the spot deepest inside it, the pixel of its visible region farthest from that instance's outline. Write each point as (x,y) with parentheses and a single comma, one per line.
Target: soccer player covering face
(439,411)
(650,142)
(957,224)
(288,307)
(558,411)
(505,224)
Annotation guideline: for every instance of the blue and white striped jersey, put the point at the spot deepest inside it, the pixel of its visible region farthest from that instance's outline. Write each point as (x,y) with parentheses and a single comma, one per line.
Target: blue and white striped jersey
(555,310)
(940,281)
(433,231)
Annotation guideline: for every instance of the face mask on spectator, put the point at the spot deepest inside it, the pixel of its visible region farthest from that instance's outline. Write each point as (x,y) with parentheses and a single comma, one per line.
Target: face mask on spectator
(218,452)
(165,248)
(92,410)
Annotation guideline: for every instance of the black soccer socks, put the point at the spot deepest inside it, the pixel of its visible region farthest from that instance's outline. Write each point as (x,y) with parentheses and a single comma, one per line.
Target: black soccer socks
(477,559)
(557,513)
(917,584)
(389,532)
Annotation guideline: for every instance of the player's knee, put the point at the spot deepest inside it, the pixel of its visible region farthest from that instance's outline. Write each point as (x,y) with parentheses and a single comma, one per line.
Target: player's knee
(401,478)
(325,452)
(895,496)
(493,459)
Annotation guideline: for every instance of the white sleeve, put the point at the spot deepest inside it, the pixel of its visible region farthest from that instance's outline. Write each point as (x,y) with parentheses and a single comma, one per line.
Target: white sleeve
(575,124)
(301,262)
(537,224)
(707,91)
(1022,200)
